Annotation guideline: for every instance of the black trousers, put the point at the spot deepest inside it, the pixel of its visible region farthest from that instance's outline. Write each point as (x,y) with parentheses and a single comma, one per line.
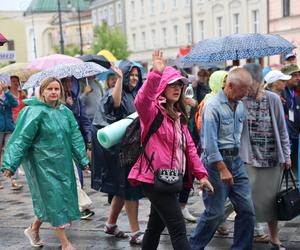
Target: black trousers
(165,212)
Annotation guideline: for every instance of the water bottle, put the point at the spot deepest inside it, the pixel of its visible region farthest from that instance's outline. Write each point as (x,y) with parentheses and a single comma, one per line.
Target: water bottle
(189,92)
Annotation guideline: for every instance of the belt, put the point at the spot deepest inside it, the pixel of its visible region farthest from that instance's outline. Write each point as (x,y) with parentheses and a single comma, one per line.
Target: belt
(229,151)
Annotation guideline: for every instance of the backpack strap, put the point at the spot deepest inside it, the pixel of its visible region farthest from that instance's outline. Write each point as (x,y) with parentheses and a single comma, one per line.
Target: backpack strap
(155,125)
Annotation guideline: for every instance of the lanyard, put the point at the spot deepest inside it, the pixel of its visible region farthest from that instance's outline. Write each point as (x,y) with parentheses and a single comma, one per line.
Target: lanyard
(292,95)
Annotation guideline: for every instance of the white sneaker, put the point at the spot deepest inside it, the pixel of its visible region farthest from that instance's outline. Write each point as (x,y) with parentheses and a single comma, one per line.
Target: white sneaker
(186,214)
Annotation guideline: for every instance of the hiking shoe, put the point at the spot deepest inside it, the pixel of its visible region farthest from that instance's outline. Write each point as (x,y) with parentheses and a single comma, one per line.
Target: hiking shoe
(186,214)
(86,214)
(33,237)
(114,230)
(136,239)
(15,185)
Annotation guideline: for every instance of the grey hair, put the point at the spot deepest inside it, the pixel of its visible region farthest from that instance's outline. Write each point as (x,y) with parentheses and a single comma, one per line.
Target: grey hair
(239,76)
(255,71)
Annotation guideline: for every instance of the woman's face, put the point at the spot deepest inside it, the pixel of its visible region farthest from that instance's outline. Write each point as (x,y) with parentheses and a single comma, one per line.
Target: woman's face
(111,81)
(173,91)
(133,78)
(52,93)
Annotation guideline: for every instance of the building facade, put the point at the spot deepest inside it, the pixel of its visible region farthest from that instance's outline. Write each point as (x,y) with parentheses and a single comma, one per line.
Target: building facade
(284,19)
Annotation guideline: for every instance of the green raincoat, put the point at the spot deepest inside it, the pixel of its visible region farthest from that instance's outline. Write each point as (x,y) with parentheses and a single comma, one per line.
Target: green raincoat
(45,141)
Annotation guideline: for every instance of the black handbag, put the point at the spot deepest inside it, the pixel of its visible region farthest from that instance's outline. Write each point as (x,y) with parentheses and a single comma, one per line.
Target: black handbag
(288,200)
(169,180)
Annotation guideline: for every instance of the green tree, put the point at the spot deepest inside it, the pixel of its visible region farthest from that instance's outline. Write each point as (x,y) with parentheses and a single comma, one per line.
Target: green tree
(70,49)
(111,39)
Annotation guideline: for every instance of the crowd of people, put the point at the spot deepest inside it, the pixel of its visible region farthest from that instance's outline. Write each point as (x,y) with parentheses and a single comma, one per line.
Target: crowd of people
(240,128)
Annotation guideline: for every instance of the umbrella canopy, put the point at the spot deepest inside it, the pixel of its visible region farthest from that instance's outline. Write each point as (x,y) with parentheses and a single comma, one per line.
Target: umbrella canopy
(2,40)
(47,62)
(238,46)
(101,60)
(24,74)
(108,55)
(65,70)
(13,67)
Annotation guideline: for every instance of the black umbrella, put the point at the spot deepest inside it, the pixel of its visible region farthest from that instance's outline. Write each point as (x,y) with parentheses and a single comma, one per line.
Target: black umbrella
(101,60)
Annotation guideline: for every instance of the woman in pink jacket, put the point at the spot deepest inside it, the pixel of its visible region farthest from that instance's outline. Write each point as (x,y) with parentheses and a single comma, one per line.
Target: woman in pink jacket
(170,147)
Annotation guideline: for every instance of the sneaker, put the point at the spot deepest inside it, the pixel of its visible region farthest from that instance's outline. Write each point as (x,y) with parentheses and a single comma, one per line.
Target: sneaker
(114,230)
(186,214)
(33,237)
(86,214)
(136,239)
(15,185)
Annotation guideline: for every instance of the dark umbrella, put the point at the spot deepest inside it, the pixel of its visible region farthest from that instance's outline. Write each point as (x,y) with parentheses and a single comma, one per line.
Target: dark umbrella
(101,60)
(2,40)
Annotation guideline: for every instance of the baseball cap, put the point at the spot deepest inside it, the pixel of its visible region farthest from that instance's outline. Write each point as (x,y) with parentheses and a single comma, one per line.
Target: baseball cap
(181,78)
(290,69)
(275,75)
(287,56)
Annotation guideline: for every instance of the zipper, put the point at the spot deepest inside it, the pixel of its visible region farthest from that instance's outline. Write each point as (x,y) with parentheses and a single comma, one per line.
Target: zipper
(173,146)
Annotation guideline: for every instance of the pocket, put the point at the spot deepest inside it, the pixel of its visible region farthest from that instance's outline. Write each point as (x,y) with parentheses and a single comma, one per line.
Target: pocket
(226,127)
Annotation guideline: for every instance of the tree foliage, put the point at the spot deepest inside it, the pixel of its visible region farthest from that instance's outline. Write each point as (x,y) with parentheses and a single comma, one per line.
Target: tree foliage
(111,39)
(70,49)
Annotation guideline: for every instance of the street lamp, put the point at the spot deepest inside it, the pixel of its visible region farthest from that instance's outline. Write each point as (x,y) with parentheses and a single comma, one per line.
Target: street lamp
(79,24)
(62,51)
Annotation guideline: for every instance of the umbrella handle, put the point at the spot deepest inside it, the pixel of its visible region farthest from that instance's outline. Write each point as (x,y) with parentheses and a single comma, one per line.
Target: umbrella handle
(86,81)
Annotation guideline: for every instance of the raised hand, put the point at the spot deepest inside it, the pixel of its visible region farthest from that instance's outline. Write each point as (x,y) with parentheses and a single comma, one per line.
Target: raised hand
(159,63)
(116,70)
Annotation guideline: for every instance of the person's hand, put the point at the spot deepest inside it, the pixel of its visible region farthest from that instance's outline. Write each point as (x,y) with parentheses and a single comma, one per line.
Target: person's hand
(3,86)
(159,63)
(225,174)
(87,89)
(206,185)
(69,100)
(288,164)
(89,154)
(7,173)
(190,101)
(87,169)
(116,70)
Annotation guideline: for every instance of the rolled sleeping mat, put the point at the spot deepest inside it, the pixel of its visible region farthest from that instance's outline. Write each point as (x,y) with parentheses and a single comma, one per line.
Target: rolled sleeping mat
(112,134)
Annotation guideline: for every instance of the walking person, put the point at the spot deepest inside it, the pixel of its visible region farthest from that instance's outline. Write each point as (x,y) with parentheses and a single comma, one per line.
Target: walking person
(265,149)
(45,140)
(223,116)
(170,147)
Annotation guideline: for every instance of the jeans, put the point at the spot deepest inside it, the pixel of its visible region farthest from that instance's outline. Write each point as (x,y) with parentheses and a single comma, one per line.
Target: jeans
(240,196)
(165,212)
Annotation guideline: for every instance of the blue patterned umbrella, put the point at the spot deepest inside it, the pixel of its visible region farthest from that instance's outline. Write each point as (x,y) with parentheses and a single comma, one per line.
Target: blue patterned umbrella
(237,46)
(60,71)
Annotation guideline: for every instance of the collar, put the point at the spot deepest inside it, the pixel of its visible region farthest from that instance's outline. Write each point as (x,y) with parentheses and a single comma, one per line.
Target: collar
(222,97)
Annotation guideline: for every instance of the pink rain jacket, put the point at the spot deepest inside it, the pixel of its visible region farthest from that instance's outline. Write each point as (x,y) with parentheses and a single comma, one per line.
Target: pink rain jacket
(160,144)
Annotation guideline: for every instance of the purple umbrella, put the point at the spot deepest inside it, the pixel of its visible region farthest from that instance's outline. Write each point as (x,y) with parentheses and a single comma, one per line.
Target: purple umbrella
(47,62)
(2,40)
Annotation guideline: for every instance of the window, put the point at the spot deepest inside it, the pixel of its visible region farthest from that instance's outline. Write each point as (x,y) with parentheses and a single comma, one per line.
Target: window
(174,3)
(94,17)
(236,24)
(100,16)
(165,41)
(286,7)
(105,15)
(132,4)
(201,29)
(152,7)
(144,40)
(142,8)
(134,41)
(153,34)
(219,26)
(119,13)
(255,21)
(187,3)
(189,33)
(110,16)
(175,27)
(163,5)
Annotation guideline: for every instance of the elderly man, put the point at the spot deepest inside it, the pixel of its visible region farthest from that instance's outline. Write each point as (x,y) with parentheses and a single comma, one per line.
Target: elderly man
(223,117)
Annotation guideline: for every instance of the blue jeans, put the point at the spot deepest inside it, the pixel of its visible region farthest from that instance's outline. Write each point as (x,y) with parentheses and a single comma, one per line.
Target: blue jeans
(239,194)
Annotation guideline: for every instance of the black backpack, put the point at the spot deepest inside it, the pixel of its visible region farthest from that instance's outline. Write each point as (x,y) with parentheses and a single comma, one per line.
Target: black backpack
(131,146)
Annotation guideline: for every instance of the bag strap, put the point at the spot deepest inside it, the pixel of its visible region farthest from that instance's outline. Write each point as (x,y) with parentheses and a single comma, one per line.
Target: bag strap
(285,175)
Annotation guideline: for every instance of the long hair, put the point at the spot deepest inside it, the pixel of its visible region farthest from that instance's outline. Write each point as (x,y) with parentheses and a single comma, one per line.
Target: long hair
(180,107)
(44,84)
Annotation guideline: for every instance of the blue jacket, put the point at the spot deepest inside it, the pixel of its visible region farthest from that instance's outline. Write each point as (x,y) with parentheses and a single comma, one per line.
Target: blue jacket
(6,117)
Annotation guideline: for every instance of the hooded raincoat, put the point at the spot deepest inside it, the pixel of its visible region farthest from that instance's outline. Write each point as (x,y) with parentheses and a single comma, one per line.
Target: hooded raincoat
(160,147)
(45,141)
(107,174)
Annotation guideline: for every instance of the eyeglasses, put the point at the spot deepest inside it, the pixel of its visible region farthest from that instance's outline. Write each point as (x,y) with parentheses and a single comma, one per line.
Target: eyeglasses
(176,84)
(134,75)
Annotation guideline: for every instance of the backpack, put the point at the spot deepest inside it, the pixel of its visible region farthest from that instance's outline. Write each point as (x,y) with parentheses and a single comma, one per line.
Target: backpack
(131,146)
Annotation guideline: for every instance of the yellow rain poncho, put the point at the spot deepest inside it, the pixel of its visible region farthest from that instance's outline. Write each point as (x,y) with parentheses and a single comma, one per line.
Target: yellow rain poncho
(45,141)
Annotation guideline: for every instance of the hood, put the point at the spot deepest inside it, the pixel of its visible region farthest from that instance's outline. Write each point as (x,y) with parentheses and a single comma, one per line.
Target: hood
(170,74)
(75,87)
(216,80)
(126,66)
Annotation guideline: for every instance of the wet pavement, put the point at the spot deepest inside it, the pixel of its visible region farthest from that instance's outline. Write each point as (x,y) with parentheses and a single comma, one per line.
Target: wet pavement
(17,214)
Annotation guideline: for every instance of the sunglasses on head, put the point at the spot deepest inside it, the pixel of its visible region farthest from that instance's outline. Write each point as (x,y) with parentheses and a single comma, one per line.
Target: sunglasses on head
(176,84)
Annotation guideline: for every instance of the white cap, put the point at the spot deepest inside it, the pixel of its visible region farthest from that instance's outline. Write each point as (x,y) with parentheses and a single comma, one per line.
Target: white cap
(275,75)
